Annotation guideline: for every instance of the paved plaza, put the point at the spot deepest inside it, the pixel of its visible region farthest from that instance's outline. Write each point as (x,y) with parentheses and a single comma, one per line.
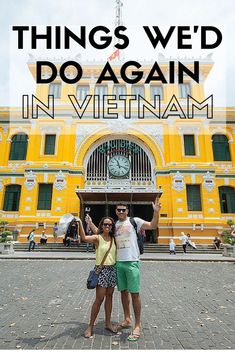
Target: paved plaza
(185,305)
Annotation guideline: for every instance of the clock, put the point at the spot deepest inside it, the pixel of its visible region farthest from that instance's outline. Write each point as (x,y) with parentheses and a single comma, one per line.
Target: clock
(119,166)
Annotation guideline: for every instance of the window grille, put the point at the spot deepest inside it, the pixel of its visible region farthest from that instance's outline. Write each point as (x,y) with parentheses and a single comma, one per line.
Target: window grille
(140,164)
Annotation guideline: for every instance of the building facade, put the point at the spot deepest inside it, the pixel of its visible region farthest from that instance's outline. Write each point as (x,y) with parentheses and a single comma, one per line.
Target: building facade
(50,167)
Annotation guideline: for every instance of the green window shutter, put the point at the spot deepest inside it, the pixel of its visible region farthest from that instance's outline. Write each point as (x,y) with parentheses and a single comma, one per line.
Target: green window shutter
(227,199)
(44,196)
(220,147)
(49,144)
(193,197)
(12,198)
(189,145)
(19,147)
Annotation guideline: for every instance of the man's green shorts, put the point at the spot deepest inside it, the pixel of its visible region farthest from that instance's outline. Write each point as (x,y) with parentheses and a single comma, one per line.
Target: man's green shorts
(128,276)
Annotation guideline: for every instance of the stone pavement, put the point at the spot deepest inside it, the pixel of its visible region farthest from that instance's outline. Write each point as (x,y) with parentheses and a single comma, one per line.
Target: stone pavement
(37,255)
(186,305)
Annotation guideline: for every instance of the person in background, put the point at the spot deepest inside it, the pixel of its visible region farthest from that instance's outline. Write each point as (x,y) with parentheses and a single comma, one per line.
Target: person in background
(88,233)
(43,238)
(15,233)
(190,242)
(31,240)
(217,243)
(55,232)
(233,230)
(172,247)
(184,241)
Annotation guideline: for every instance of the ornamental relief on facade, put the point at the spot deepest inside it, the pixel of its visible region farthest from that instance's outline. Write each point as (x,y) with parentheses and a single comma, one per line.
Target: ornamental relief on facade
(178,183)
(208,181)
(31,180)
(60,181)
(84,130)
(156,132)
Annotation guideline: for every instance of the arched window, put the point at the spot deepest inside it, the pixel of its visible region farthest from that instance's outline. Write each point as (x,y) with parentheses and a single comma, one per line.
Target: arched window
(12,198)
(98,164)
(19,144)
(227,199)
(220,147)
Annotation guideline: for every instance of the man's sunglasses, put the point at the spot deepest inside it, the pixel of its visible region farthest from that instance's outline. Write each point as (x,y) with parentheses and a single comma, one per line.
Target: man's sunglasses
(107,225)
(121,210)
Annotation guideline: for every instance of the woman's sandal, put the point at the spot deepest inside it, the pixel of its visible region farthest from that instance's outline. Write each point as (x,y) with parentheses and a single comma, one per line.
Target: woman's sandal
(134,336)
(88,333)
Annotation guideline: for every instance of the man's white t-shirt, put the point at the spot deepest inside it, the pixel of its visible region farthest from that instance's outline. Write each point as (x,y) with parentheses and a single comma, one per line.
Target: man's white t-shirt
(126,240)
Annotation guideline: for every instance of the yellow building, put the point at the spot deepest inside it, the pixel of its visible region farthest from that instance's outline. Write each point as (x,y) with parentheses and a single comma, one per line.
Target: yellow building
(50,167)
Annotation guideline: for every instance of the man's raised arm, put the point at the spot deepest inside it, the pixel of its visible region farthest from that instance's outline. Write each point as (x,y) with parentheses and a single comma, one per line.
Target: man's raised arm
(154,222)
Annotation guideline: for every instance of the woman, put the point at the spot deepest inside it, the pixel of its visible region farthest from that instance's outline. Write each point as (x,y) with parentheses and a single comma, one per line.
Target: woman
(107,277)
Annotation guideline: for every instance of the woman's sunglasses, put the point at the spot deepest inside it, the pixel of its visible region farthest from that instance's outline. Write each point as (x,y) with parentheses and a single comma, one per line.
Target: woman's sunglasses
(107,225)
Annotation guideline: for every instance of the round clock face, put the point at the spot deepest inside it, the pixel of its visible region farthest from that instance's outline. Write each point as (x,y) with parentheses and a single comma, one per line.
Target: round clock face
(119,166)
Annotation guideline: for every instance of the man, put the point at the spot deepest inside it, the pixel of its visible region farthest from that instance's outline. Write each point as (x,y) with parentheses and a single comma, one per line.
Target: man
(128,272)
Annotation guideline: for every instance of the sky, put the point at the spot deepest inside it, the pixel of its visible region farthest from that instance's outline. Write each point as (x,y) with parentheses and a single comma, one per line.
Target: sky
(15,78)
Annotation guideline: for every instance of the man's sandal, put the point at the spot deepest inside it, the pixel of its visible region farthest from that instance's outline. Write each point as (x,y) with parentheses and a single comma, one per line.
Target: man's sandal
(134,336)
(113,329)
(123,326)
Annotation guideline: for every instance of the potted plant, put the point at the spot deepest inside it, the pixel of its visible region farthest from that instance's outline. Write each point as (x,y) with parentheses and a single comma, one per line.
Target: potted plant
(228,237)
(6,246)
